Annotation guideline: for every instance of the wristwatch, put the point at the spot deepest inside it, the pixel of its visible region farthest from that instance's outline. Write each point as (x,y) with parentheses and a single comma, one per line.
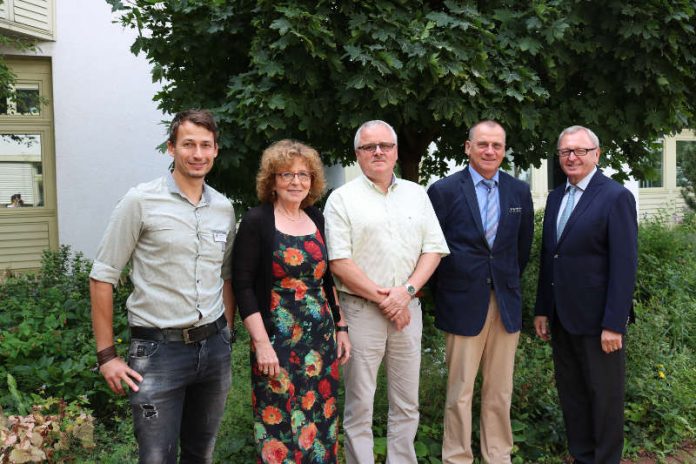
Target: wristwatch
(410,289)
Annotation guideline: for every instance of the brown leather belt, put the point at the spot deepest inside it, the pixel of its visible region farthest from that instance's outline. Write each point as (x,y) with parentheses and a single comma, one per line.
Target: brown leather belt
(188,335)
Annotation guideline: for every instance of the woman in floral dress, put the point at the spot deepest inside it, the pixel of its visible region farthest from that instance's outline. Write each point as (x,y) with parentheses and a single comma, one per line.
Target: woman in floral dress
(285,295)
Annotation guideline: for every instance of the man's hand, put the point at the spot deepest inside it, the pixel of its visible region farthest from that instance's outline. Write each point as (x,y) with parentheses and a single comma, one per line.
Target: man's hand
(266,358)
(117,371)
(541,326)
(343,345)
(397,299)
(402,318)
(611,341)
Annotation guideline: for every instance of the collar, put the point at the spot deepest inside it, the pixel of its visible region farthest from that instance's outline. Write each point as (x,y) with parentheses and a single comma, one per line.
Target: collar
(173,188)
(476,178)
(394,182)
(582,185)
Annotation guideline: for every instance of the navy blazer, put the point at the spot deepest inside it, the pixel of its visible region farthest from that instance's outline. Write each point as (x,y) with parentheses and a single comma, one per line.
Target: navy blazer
(462,282)
(587,276)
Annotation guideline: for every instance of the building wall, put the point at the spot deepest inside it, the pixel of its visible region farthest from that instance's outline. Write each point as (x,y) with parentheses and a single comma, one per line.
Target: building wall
(107,128)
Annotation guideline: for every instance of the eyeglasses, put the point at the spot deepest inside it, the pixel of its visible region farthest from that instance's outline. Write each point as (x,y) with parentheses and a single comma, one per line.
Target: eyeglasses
(372,147)
(565,152)
(302,176)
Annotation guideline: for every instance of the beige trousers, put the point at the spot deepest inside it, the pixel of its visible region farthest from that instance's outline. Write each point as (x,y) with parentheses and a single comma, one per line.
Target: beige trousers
(374,338)
(494,350)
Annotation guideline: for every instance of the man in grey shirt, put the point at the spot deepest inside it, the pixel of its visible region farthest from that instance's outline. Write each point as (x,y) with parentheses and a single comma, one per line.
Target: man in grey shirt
(177,234)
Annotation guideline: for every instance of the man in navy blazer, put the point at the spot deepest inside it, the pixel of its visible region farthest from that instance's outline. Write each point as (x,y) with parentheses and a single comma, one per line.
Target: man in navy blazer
(487,217)
(589,258)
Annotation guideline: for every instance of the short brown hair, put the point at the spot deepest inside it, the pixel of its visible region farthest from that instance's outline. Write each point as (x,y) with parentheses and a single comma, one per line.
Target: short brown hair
(203,118)
(280,156)
(485,122)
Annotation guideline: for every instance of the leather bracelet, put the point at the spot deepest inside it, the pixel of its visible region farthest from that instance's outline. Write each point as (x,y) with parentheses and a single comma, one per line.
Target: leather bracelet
(106,355)
(342,328)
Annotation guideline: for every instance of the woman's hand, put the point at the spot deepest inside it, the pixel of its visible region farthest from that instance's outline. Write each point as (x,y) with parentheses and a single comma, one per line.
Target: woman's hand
(343,347)
(266,358)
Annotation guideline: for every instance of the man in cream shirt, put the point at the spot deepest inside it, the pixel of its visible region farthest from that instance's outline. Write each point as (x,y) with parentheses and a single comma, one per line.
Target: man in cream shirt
(384,242)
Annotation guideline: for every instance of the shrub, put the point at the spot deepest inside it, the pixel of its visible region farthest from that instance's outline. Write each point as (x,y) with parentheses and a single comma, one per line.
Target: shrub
(46,340)
(46,344)
(661,362)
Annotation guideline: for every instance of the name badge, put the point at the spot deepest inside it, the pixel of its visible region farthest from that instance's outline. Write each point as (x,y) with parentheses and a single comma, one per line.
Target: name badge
(220,237)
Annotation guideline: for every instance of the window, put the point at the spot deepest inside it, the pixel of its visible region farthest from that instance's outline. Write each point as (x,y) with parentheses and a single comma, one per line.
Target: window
(655,172)
(21,170)
(28,215)
(25,102)
(22,152)
(686,162)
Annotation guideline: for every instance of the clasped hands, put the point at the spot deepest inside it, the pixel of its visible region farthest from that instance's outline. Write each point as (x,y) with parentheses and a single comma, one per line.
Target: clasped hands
(395,305)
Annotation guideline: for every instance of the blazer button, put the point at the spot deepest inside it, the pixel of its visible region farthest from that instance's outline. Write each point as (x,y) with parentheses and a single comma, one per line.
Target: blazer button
(552,284)
(555,256)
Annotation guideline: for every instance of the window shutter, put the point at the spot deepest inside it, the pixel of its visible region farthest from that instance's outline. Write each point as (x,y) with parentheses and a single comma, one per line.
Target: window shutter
(28,17)
(33,13)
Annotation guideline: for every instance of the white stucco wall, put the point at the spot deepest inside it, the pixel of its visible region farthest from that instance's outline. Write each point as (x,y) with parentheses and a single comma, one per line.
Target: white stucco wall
(107,127)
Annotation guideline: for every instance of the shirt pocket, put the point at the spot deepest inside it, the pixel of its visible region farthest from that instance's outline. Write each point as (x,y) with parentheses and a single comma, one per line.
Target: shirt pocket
(213,244)
(167,235)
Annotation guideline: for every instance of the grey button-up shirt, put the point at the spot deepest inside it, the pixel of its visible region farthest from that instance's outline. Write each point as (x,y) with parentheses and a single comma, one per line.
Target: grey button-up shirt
(180,253)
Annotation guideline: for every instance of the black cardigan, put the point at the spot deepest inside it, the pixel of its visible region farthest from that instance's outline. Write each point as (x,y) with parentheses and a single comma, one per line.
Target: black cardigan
(252,268)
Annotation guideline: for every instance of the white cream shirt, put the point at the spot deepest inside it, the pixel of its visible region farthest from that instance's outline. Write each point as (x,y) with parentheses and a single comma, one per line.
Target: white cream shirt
(384,234)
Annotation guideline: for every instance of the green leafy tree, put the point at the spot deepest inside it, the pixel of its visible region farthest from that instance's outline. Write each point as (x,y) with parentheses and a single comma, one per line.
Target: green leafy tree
(315,70)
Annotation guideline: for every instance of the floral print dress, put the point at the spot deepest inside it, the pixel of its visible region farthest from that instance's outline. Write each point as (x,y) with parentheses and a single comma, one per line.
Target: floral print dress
(295,416)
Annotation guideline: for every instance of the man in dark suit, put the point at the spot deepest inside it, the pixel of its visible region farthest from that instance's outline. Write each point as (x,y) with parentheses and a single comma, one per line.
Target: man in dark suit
(487,217)
(589,258)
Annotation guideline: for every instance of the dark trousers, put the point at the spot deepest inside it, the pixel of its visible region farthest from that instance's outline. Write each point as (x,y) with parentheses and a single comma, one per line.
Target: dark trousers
(181,398)
(590,386)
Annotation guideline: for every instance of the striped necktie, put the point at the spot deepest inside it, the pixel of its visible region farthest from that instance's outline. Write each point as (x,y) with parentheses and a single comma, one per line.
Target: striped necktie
(491,225)
(570,204)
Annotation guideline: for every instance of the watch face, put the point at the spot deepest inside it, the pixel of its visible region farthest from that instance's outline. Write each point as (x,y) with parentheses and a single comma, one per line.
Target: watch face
(411,290)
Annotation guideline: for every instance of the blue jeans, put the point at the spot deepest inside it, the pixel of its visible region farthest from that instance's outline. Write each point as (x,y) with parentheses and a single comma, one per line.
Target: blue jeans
(181,398)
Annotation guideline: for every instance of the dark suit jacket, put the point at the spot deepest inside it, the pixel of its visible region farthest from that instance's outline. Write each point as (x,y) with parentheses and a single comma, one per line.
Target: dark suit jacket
(252,262)
(587,275)
(462,282)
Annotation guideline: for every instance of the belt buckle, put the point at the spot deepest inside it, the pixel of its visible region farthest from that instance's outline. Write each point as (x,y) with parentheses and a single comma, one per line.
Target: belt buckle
(187,336)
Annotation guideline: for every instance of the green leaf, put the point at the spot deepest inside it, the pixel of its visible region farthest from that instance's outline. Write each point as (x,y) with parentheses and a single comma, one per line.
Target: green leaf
(529,44)
(421,449)
(277,101)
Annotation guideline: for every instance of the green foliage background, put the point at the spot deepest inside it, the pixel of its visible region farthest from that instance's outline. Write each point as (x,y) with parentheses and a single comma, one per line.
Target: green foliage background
(315,70)
(46,344)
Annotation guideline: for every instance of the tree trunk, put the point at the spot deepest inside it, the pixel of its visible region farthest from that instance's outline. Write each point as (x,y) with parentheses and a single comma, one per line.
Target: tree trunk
(408,164)
(413,145)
